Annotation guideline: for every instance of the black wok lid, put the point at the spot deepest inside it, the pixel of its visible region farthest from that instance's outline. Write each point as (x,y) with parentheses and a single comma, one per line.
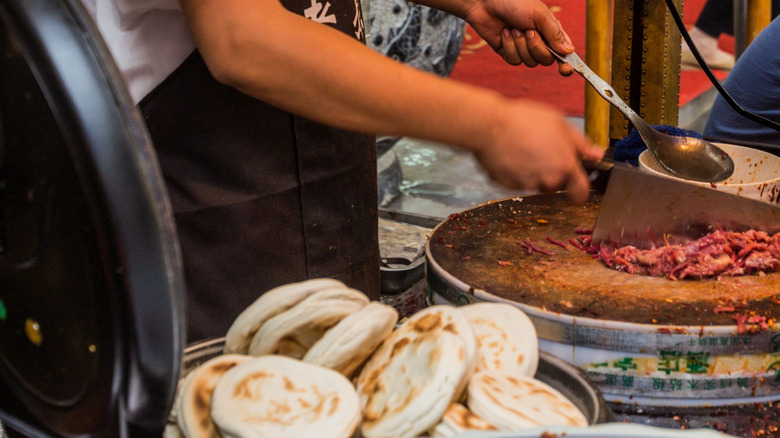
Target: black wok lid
(91,330)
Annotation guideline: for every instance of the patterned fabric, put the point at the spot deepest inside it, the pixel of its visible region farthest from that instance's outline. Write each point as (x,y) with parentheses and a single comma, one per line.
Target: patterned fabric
(424,38)
(627,150)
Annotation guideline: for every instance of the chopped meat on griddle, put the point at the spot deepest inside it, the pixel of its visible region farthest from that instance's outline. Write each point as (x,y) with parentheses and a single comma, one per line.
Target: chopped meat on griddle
(718,253)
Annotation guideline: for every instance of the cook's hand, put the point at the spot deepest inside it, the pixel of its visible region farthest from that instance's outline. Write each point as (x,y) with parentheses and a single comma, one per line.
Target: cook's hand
(514,29)
(534,147)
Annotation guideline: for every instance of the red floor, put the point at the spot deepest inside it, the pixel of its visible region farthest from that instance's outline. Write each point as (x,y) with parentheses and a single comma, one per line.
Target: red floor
(479,65)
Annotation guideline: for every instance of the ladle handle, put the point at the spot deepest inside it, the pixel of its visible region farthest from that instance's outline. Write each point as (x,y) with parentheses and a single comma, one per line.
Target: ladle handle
(600,85)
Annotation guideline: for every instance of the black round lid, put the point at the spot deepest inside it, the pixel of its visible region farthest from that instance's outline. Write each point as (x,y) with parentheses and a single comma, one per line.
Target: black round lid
(91,289)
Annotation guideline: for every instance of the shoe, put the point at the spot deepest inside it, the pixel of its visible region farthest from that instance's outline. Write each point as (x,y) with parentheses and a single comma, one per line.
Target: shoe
(708,48)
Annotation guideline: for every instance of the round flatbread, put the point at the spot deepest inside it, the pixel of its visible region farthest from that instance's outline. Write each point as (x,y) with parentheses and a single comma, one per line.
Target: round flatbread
(274,396)
(349,343)
(517,402)
(450,319)
(293,332)
(193,406)
(457,420)
(268,305)
(407,384)
(439,318)
(506,338)
(172,431)
(181,384)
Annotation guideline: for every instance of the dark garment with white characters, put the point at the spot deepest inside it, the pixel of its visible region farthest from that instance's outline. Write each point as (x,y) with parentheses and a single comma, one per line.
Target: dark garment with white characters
(262,197)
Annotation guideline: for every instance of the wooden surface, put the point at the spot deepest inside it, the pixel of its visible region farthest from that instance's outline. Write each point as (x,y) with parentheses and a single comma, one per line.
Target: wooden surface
(483,247)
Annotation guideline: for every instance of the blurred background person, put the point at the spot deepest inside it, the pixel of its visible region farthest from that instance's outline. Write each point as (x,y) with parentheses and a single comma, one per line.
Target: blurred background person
(754,83)
(716,18)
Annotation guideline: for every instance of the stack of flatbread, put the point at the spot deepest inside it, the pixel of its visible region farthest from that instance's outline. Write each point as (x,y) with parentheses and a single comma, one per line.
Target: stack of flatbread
(506,338)
(502,392)
(266,396)
(193,404)
(319,321)
(276,396)
(516,402)
(285,367)
(317,358)
(458,419)
(423,366)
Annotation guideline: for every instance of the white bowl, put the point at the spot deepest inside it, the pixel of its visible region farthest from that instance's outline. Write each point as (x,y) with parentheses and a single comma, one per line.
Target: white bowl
(756,173)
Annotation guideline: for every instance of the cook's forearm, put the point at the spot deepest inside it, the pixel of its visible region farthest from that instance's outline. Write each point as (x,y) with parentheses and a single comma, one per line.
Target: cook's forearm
(315,71)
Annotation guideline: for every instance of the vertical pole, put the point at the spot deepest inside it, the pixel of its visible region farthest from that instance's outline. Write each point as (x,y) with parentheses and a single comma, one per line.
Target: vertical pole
(623,35)
(645,63)
(598,45)
(759,14)
(660,80)
(740,27)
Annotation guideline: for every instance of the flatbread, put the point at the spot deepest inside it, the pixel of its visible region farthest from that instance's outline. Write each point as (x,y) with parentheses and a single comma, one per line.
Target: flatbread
(406,386)
(439,318)
(194,403)
(181,384)
(409,393)
(268,305)
(457,420)
(517,402)
(349,343)
(171,431)
(275,396)
(506,338)
(293,332)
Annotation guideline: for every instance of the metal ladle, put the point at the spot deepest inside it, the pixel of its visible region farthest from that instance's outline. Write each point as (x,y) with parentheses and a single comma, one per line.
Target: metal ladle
(686,157)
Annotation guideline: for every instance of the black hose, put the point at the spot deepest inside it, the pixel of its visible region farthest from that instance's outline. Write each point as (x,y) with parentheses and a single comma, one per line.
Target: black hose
(718,86)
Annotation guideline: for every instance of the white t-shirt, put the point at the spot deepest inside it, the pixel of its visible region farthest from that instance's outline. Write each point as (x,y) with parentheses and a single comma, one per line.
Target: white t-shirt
(147,38)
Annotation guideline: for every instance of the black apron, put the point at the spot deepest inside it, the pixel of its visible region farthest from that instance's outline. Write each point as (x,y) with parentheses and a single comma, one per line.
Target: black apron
(262,197)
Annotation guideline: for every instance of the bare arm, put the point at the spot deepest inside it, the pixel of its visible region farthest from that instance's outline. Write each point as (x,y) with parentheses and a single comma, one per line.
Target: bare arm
(307,68)
(310,69)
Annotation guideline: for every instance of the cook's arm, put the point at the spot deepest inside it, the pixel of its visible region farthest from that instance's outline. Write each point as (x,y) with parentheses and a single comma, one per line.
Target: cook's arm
(307,68)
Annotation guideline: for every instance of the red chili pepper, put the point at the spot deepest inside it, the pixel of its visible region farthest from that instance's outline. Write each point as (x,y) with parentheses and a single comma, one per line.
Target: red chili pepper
(558,242)
(575,244)
(532,247)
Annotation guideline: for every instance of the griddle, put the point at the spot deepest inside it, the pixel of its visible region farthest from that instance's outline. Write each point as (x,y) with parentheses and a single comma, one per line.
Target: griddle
(483,247)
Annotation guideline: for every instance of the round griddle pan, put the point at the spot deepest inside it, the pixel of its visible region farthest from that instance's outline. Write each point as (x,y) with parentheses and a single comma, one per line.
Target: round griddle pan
(487,249)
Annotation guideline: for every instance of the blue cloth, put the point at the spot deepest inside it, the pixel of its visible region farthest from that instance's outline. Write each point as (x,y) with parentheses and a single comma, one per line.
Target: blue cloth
(627,150)
(754,83)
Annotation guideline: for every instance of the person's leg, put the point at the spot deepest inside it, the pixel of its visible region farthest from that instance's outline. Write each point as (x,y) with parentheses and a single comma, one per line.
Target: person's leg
(716,17)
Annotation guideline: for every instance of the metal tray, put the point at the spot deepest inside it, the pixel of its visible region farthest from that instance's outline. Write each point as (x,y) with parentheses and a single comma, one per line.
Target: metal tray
(551,370)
